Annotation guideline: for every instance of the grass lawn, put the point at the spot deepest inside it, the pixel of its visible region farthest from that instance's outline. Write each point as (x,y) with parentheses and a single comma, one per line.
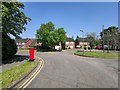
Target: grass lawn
(15,73)
(97,54)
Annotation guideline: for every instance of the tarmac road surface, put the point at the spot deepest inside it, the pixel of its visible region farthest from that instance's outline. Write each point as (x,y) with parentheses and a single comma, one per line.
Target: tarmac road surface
(65,70)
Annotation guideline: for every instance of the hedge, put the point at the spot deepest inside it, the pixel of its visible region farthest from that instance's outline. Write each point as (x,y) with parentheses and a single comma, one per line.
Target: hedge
(9,48)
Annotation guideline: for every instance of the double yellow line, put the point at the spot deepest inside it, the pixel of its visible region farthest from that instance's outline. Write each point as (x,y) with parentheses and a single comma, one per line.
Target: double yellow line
(29,80)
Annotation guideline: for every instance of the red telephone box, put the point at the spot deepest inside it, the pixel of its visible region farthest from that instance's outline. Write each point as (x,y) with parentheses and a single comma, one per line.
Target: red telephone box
(31,52)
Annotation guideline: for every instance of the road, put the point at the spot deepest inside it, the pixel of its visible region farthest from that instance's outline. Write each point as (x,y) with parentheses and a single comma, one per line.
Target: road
(65,70)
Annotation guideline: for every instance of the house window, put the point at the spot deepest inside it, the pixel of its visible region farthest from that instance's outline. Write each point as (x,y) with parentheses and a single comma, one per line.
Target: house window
(81,43)
(19,43)
(23,43)
(67,43)
(71,42)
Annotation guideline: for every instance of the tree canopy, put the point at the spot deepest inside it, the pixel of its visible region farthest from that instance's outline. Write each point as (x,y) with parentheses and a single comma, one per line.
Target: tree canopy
(13,22)
(49,36)
(13,19)
(110,36)
(91,37)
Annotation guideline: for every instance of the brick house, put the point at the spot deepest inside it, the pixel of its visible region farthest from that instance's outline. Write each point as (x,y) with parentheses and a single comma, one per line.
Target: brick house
(23,43)
(26,43)
(34,42)
(79,42)
(70,44)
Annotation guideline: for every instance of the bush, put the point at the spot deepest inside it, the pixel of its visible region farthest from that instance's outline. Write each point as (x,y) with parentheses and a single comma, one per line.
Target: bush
(9,48)
(63,46)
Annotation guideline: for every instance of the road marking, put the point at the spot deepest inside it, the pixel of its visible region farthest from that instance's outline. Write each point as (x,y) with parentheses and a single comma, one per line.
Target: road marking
(33,75)
(30,77)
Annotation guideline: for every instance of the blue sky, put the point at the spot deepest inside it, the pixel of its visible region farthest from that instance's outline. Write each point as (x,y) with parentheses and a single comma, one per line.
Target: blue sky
(88,16)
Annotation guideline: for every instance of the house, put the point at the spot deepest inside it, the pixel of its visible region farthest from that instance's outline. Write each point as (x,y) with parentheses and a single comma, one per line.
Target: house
(23,43)
(80,42)
(34,42)
(26,43)
(70,44)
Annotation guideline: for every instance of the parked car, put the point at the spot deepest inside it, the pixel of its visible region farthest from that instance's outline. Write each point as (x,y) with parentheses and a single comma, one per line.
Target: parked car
(105,47)
(99,47)
(58,48)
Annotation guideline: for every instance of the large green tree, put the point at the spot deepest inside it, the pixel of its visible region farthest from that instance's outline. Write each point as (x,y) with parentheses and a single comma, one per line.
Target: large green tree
(13,23)
(54,38)
(91,37)
(43,34)
(110,37)
(49,36)
(62,37)
(13,19)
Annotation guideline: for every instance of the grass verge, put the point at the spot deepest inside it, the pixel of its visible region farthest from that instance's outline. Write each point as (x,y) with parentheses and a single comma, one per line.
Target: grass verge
(97,54)
(15,73)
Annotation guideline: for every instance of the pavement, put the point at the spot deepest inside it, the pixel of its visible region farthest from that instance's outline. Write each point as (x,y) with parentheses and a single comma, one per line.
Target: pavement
(24,81)
(22,59)
(66,70)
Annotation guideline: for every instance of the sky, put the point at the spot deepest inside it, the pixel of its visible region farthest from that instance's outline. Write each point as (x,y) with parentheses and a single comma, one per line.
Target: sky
(72,16)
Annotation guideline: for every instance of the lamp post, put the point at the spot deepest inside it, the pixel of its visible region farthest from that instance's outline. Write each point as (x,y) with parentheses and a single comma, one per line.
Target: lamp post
(103,38)
(83,38)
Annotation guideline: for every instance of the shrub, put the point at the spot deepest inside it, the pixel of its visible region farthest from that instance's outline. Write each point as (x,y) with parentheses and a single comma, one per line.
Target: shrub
(9,48)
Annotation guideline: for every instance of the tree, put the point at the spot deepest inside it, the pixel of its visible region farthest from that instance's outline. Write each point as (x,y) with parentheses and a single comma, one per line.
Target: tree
(9,48)
(50,26)
(91,37)
(13,21)
(113,36)
(43,34)
(18,37)
(110,37)
(54,38)
(77,37)
(62,37)
(49,36)
(76,41)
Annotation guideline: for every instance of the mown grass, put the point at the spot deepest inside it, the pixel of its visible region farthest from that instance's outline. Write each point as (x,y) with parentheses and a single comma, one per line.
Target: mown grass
(97,54)
(15,73)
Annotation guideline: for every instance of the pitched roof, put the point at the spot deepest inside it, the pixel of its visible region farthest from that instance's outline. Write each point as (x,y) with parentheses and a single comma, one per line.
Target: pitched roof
(70,39)
(21,40)
(81,39)
(34,41)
